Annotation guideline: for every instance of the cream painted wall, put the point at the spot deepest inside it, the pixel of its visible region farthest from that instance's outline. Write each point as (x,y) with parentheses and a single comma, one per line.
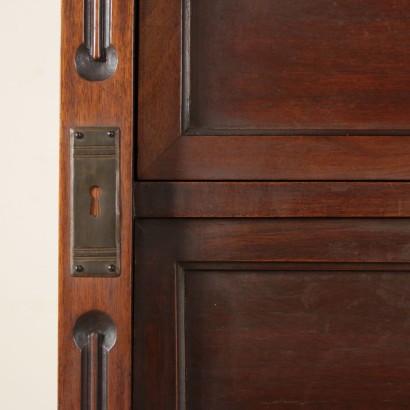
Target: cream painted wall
(29,110)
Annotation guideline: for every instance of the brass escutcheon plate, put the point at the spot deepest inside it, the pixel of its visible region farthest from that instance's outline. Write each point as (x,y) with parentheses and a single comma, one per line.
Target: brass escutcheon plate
(95,202)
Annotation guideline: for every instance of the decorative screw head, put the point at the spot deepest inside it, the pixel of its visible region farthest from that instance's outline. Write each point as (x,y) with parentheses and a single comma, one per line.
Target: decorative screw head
(79,135)
(79,268)
(112,268)
(111,134)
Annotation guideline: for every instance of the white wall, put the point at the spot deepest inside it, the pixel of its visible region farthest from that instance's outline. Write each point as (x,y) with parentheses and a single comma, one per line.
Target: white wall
(29,110)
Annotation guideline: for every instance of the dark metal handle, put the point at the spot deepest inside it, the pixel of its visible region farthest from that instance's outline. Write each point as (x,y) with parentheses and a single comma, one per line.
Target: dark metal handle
(94,334)
(96,59)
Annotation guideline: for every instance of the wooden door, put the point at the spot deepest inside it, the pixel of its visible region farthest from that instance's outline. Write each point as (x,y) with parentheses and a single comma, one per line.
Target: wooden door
(263,237)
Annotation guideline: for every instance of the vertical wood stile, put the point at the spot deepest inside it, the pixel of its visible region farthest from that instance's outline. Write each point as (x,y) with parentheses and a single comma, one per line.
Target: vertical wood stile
(95,104)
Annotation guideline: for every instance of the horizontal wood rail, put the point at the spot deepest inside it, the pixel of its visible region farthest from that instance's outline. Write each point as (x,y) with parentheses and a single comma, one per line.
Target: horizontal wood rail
(272,199)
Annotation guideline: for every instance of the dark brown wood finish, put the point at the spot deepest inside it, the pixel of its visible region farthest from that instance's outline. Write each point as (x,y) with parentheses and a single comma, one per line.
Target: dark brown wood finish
(272,249)
(304,158)
(299,66)
(296,339)
(96,104)
(272,314)
(271,199)
(272,252)
(273,90)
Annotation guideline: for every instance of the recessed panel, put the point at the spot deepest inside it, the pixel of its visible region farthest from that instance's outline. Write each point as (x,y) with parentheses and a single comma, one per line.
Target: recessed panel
(295,339)
(300,66)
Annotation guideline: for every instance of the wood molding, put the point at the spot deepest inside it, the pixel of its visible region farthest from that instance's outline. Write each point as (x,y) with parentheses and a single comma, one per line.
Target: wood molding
(281,158)
(96,104)
(159,88)
(271,199)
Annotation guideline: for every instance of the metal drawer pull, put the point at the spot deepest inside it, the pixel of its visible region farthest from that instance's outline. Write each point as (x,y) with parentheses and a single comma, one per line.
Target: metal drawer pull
(94,334)
(96,59)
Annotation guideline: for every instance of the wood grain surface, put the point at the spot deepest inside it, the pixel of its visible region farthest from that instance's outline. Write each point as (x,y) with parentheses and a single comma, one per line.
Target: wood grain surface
(271,193)
(293,339)
(282,158)
(96,104)
(298,66)
(271,314)
(282,91)
(271,199)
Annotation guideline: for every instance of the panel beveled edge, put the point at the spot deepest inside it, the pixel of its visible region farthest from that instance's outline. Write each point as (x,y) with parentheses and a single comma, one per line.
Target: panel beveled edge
(180,336)
(159,80)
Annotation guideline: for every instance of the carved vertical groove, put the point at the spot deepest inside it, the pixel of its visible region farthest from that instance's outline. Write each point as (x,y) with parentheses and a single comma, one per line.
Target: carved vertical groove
(94,334)
(96,59)
(97,27)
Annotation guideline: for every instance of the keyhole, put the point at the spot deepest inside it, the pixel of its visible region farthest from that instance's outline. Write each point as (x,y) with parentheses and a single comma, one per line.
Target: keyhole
(95,193)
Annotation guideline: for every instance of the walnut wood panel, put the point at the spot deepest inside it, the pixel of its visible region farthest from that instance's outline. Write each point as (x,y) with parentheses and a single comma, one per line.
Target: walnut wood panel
(295,339)
(353,258)
(298,66)
(359,84)
(271,199)
(96,104)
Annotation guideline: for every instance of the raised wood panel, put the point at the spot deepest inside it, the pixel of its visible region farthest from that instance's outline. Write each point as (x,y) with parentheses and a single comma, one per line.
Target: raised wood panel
(203,284)
(298,66)
(271,199)
(288,91)
(292,339)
